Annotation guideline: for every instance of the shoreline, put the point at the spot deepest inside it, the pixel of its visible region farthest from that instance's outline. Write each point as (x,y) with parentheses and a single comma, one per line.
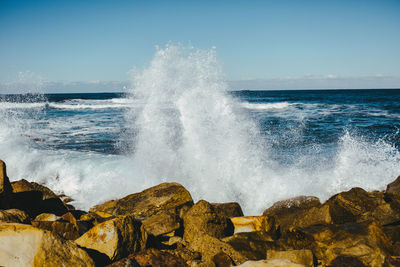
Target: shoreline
(162,226)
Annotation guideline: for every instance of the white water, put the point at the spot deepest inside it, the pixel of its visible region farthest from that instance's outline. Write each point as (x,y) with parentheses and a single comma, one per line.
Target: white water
(190,131)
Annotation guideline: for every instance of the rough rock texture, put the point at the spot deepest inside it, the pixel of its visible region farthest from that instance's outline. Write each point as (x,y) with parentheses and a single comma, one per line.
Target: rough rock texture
(161,223)
(170,197)
(304,256)
(94,218)
(271,263)
(288,206)
(202,218)
(252,245)
(14,216)
(254,223)
(24,186)
(364,241)
(117,238)
(24,245)
(209,246)
(394,187)
(222,260)
(63,229)
(230,209)
(5,187)
(47,217)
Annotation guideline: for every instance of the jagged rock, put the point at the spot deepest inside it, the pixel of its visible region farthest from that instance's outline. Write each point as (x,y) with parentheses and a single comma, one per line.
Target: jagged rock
(117,238)
(230,209)
(170,197)
(394,187)
(186,254)
(202,218)
(47,217)
(346,261)
(222,260)
(252,245)
(271,263)
(161,223)
(25,245)
(304,256)
(254,223)
(14,216)
(24,186)
(209,246)
(94,218)
(291,205)
(5,187)
(364,241)
(63,229)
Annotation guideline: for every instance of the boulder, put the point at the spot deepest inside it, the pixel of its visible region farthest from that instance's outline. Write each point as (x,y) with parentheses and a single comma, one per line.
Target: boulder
(47,217)
(5,187)
(254,223)
(154,257)
(346,261)
(170,197)
(65,230)
(230,209)
(394,187)
(161,224)
(271,263)
(252,245)
(14,216)
(94,218)
(303,256)
(24,186)
(202,218)
(25,245)
(117,238)
(222,260)
(209,246)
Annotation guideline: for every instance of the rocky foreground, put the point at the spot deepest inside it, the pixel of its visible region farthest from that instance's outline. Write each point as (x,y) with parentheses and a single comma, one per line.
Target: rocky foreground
(161,226)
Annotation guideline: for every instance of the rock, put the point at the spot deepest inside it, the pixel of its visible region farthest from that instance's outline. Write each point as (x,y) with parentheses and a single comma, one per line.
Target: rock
(271,263)
(161,223)
(304,256)
(291,205)
(365,241)
(254,223)
(222,260)
(47,217)
(170,197)
(24,186)
(394,187)
(202,218)
(25,245)
(14,216)
(5,187)
(230,209)
(117,238)
(346,261)
(209,246)
(65,230)
(186,254)
(252,245)
(125,262)
(94,218)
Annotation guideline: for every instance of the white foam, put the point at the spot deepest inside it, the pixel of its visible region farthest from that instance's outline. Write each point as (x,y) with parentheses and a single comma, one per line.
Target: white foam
(267,106)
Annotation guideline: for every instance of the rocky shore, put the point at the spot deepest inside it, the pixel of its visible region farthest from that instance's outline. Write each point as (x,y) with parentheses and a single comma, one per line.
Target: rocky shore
(162,226)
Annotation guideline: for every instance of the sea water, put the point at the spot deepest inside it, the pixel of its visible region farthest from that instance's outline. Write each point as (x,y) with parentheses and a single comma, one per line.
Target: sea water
(180,122)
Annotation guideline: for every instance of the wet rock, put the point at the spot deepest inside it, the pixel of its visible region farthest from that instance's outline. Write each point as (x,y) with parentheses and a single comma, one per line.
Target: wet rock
(65,230)
(14,216)
(252,245)
(304,256)
(202,218)
(24,186)
(47,217)
(254,223)
(117,238)
(171,197)
(25,245)
(5,187)
(161,224)
(230,209)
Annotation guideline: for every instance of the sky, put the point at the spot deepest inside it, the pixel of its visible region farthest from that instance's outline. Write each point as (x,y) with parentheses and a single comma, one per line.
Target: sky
(285,44)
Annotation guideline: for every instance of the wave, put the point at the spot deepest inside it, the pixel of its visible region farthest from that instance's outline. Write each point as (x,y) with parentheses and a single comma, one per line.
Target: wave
(267,106)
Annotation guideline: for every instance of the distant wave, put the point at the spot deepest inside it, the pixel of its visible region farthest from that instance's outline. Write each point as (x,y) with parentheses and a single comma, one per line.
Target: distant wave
(266,106)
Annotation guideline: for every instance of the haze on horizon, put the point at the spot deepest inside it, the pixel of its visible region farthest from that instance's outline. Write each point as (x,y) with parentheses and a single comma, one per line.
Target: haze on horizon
(75,46)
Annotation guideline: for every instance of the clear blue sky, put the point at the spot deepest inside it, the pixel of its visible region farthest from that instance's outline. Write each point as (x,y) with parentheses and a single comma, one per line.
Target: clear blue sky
(102,40)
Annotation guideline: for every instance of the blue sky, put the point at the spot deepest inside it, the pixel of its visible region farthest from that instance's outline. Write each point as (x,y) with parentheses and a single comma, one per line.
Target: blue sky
(273,42)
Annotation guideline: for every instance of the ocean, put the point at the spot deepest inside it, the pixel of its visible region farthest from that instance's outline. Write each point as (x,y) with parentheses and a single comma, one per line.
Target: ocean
(181,123)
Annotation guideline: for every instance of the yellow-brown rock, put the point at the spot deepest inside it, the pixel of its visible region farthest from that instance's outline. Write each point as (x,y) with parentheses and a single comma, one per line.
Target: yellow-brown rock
(14,216)
(24,186)
(47,217)
(170,197)
(94,218)
(291,205)
(229,209)
(117,238)
(161,223)
(63,229)
(202,218)
(25,245)
(5,187)
(394,187)
(271,263)
(253,223)
(303,256)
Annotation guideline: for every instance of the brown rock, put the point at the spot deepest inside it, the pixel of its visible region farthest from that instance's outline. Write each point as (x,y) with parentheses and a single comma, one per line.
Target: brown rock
(254,223)
(271,263)
(24,186)
(394,187)
(161,224)
(47,217)
(25,245)
(230,209)
(346,261)
(65,230)
(170,197)
(14,216)
(304,256)
(202,218)
(222,260)
(5,187)
(94,218)
(117,238)
(291,205)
